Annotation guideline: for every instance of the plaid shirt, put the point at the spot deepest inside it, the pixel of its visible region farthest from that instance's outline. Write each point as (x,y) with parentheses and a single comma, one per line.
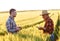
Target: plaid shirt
(11,25)
(49,26)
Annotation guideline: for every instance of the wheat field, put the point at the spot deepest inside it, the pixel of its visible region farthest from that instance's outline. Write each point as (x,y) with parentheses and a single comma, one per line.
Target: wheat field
(28,20)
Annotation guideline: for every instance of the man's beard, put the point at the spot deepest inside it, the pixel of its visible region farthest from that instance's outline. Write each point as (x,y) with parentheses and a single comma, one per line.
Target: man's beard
(14,16)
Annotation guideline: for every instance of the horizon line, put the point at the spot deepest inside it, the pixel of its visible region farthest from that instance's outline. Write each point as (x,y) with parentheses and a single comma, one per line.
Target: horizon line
(26,10)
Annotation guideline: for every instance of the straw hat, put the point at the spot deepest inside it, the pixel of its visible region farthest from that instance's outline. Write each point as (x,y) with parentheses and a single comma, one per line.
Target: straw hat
(44,12)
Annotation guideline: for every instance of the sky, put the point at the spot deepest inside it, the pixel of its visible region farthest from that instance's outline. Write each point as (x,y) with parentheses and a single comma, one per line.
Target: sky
(6,5)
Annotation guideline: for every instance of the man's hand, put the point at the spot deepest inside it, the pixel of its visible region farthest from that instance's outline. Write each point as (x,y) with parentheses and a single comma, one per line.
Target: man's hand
(40,28)
(18,28)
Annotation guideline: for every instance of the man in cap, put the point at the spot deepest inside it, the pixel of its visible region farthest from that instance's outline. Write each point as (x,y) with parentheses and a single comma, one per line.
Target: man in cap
(10,24)
(49,26)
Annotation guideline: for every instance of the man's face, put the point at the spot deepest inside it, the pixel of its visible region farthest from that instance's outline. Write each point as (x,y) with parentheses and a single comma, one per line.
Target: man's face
(45,16)
(14,13)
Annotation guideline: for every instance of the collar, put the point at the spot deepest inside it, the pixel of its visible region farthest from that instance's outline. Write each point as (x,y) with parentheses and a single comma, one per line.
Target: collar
(11,17)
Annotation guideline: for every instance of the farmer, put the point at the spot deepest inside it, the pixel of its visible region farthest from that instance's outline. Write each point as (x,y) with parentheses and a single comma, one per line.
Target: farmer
(49,26)
(10,24)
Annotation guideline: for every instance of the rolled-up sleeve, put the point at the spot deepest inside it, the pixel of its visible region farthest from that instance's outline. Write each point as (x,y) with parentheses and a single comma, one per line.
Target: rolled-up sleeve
(9,27)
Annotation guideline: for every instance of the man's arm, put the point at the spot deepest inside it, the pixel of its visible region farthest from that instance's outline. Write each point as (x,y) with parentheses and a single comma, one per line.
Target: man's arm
(40,28)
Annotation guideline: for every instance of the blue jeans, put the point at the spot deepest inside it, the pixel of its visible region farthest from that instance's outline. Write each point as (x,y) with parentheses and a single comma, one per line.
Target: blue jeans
(53,37)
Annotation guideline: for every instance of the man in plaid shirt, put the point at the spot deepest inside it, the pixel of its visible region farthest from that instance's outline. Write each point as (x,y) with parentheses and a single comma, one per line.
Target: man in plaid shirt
(49,26)
(10,24)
